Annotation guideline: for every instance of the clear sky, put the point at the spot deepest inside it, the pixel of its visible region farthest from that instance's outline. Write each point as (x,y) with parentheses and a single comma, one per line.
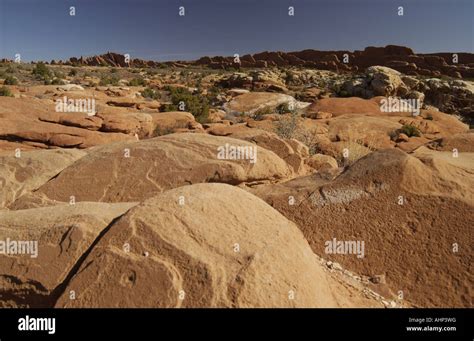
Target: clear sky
(152,29)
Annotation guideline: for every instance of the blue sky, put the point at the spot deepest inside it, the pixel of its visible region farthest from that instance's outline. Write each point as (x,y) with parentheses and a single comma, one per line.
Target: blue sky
(152,29)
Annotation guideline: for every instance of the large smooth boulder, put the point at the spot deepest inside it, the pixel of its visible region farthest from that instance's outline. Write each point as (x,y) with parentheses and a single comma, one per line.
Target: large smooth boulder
(413,212)
(292,151)
(138,170)
(63,234)
(205,245)
(343,106)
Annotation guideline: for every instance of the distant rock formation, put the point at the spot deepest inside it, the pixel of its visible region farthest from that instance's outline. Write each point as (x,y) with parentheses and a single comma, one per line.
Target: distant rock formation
(400,58)
(114,60)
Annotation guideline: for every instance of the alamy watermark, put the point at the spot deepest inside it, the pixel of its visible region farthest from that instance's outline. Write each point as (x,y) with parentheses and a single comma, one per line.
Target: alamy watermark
(345,247)
(396,105)
(19,247)
(83,105)
(230,152)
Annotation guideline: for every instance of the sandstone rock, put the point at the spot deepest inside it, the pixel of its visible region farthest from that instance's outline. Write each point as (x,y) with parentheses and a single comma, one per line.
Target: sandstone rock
(292,151)
(172,121)
(385,81)
(29,120)
(342,106)
(194,256)
(424,126)
(413,143)
(130,123)
(419,96)
(251,102)
(411,82)
(402,138)
(363,204)
(20,175)
(463,142)
(373,132)
(70,87)
(154,165)
(321,162)
(63,234)
(78,120)
(319,115)
(237,92)
(216,116)
(453,97)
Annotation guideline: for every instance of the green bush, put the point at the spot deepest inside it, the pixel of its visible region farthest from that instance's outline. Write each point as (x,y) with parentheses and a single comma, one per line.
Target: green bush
(41,71)
(4,91)
(139,81)
(284,108)
(159,131)
(343,93)
(152,72)
(109,80)
(196,105)
(258,115)
(72,73)
(57,81)
(150,93)
(410,130)
(9,80)
(10,69)
(59,74)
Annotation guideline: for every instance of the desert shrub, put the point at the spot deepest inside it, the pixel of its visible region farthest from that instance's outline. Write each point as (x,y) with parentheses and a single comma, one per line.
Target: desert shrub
(59,74)
(289,78)
(108,80)
(41,71)
(72,73)
(287,126)
(284,108)
(10,69)
(113,70)
(152,72)
(57,81)
(393,135)
(138,81)
(5,91)
(258,115)
(410,130)
(150,93)
(160,131)
(343,93)
(308,137)
(195,104)
(10,80)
